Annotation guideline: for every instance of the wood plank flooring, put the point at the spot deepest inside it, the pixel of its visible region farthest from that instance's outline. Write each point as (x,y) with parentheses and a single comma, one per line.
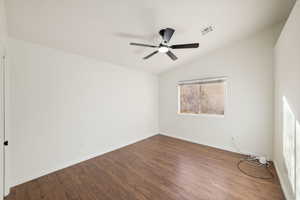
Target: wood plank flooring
(158,168)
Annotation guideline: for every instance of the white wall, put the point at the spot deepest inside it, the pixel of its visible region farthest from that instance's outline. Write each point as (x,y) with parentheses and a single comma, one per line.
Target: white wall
(249,111)
(287,82)
(66,108)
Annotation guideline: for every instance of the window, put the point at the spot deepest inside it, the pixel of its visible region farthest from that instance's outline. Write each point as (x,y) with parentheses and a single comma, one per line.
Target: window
(205,96)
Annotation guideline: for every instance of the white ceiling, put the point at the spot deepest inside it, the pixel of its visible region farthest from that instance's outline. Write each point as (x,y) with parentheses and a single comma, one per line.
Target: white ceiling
(103,29)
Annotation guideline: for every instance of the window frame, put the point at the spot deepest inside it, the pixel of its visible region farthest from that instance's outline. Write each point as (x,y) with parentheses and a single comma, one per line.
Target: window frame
(203,81)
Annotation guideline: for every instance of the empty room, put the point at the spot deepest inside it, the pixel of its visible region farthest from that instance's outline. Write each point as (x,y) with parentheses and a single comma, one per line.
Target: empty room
(150,100)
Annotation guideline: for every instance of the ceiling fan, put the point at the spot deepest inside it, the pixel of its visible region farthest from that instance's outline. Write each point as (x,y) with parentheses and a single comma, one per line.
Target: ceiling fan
(163,47)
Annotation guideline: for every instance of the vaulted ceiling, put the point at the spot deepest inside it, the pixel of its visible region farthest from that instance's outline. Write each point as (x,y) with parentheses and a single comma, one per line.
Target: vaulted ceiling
(103,29)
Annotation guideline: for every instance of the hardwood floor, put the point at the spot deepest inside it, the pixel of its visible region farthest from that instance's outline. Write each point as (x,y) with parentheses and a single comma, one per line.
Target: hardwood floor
(158,168)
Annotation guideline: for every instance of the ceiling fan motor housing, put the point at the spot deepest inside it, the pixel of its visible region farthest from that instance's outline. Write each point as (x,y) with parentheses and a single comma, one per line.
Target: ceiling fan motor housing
(166,34)
(162,32)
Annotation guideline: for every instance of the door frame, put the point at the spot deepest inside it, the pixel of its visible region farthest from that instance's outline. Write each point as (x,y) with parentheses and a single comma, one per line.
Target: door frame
(2,124)
(4,188)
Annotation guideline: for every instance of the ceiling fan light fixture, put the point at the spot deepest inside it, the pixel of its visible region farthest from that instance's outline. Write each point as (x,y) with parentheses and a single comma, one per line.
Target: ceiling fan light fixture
(163,49)
(166,34)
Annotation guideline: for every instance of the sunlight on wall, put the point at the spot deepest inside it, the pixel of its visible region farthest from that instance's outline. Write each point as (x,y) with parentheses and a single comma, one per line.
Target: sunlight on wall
(289,130)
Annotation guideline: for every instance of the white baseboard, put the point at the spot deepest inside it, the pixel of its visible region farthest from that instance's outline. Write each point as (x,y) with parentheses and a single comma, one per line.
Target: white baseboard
(214,146)
(73,162)
(285,189)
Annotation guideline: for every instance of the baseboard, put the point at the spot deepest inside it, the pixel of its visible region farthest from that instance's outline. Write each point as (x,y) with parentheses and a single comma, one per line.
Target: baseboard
(73,162)
(286,191)
(214,146)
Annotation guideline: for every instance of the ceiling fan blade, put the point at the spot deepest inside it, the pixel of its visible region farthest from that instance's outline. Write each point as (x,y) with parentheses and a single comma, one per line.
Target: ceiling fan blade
(171,55)
(143,45)
(185,46)
(167,34)
(151,54)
